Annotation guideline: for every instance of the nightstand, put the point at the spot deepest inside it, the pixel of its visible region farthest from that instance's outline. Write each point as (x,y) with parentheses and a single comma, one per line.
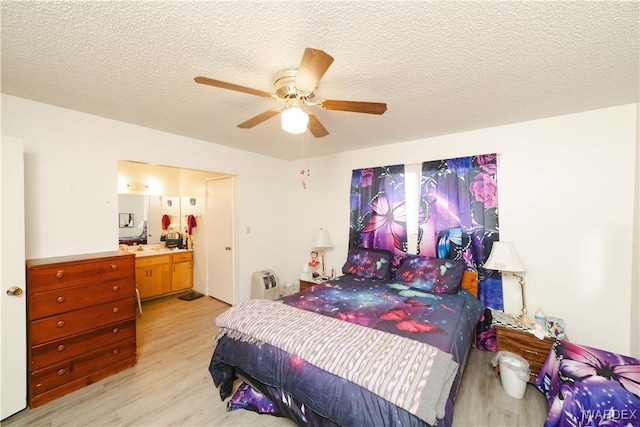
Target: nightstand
(525,344)
(306,284)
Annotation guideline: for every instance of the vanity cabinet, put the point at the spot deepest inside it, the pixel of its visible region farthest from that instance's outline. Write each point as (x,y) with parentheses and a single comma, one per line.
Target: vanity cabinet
(182,271)
(153,275)
(158,275)
(81,321)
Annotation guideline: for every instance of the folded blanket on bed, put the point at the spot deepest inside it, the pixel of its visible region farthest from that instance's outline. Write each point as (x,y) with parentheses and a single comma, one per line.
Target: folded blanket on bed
(414,376)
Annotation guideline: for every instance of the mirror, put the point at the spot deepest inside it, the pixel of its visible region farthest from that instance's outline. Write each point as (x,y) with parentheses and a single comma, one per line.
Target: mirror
(157,194)
(134,222)
(156,213)
(126,220)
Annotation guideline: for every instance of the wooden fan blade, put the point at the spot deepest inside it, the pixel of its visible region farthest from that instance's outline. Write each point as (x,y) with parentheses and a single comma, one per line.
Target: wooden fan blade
(259,119)
(231,86)
(315,127)
(313,65)
(353,106)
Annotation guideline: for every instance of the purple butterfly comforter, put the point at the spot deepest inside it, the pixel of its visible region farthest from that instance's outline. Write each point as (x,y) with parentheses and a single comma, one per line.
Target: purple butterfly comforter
(585,386)
(312,396)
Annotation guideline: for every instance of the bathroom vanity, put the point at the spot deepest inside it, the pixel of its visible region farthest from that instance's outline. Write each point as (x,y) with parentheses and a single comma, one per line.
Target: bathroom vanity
(162,272)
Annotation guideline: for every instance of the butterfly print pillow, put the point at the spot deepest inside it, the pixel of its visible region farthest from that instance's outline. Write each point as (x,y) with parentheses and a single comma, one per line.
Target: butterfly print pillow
(441,276)
(368,263)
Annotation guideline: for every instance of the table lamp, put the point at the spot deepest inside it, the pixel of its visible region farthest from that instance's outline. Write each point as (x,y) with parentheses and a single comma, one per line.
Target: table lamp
(504,258)
(322,242)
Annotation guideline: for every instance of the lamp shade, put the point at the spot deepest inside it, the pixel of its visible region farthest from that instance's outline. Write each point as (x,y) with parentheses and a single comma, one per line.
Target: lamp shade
(323,240)
(503,257)
(294,120)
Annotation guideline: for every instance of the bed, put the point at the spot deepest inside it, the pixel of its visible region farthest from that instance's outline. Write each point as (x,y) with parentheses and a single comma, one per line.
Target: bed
(360,349)
(585,386)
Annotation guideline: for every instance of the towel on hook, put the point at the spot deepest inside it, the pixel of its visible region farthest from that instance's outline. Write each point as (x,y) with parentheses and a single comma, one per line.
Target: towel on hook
(191,222)
(166,221)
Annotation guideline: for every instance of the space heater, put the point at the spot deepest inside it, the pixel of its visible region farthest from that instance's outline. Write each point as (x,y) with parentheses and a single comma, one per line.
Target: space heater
(264,285)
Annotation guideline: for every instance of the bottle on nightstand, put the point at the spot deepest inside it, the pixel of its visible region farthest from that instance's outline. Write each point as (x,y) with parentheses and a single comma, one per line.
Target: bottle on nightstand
(541,320)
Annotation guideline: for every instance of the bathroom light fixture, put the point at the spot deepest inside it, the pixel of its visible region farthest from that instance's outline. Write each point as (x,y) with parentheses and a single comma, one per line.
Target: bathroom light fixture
(294,120)
(137,186)
(504,258)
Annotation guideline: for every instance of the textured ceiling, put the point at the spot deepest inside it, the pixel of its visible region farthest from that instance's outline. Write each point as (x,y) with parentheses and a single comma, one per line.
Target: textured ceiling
(441,67)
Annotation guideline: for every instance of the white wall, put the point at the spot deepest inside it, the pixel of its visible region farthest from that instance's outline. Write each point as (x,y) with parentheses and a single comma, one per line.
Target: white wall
(71,172)
(566,199)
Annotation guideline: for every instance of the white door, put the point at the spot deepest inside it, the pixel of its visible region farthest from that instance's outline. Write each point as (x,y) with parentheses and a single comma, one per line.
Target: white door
(219,218)
(13,330)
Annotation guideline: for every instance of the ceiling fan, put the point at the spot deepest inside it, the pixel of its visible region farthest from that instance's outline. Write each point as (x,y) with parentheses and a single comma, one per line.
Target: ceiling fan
(295,88)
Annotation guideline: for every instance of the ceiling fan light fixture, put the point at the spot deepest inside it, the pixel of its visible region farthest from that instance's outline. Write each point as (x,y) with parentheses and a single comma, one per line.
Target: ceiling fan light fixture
(295,87)
(294,120)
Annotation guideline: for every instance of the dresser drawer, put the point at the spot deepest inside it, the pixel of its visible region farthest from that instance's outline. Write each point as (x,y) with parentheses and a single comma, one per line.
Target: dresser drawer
(64,325)
(152,260)
(524,344)
(81,366)
(66,348)
(57,276)
(62,300)
(182,257)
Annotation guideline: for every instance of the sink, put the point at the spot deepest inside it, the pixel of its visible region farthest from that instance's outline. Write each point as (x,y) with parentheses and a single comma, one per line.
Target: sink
(149,250)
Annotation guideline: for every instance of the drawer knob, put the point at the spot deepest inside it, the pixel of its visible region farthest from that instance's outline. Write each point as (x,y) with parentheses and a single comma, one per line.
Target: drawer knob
(61,300)
(116,288)
(116,309)
(60,324)
(114,266)
(61,347)
(116,330)
(115,351)
(525,350)
(59,274)
(61,372)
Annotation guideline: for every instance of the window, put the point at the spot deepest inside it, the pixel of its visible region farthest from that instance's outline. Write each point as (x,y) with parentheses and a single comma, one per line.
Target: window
(412,175)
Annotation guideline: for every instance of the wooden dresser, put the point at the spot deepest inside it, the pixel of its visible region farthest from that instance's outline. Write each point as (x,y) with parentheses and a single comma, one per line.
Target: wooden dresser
(81,321)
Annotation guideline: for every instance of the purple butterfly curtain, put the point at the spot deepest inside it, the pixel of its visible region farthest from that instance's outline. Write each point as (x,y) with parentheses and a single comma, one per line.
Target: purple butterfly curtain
(458,217)
(378,216)
(459,220)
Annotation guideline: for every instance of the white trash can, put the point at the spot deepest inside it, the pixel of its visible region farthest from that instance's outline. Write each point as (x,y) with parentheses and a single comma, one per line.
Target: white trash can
(514,373)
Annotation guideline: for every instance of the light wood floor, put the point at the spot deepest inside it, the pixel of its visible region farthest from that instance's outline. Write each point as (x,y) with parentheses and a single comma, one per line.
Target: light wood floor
(171,385)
